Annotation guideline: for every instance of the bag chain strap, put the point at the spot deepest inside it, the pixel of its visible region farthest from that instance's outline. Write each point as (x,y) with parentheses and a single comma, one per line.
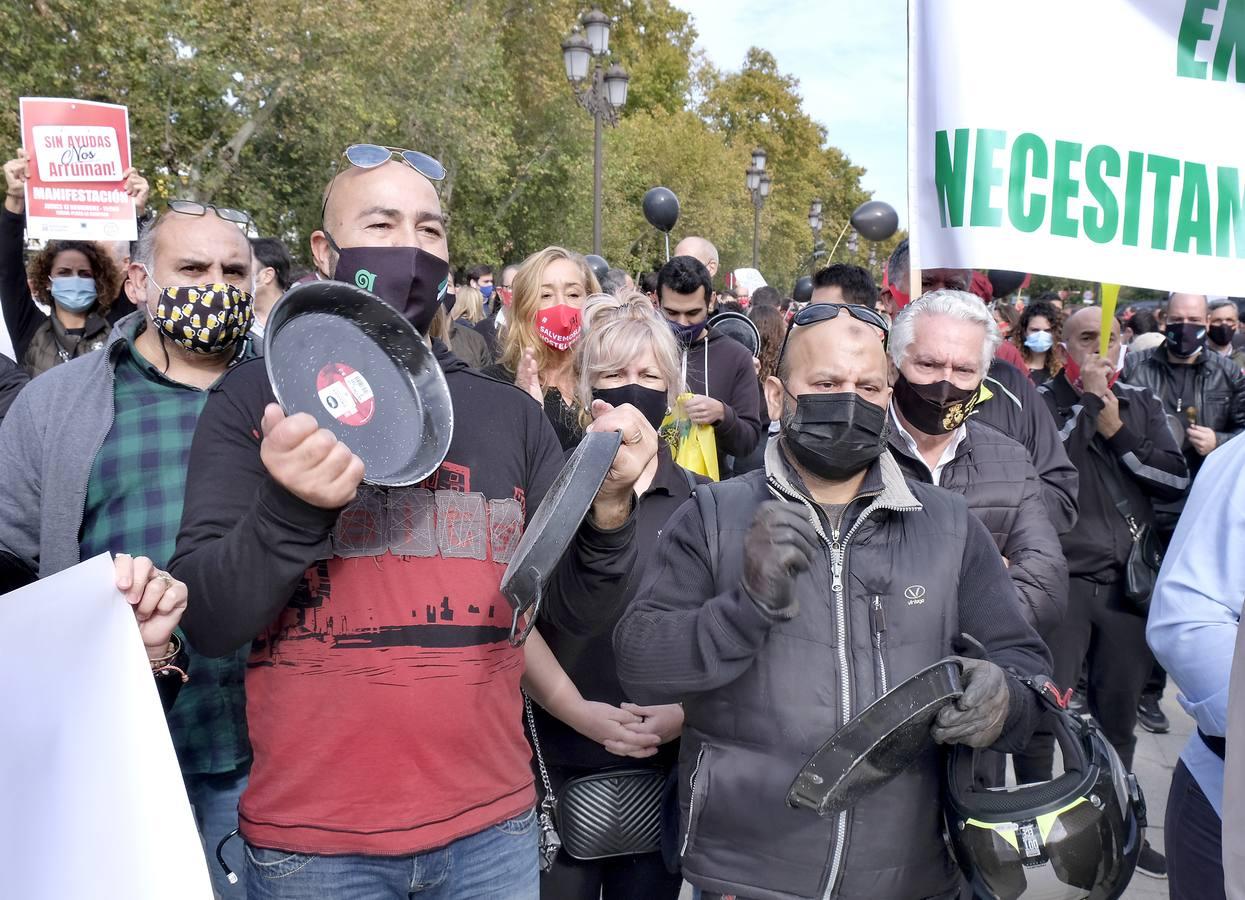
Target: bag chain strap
(550,840)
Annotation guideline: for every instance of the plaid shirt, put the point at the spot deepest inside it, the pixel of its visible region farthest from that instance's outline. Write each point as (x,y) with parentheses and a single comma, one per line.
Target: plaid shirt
(134,505)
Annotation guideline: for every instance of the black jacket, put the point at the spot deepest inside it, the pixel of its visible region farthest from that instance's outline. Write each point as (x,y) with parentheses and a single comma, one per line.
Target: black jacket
(12,379)
(1141,463)
(1212,385)
(1016,411)
(761,693)
(246,543)
(732,380)
(994,475)
(589,660)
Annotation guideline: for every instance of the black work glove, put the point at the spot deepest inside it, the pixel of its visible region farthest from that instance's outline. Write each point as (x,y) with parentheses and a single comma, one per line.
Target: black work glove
(781,544)
(977,718)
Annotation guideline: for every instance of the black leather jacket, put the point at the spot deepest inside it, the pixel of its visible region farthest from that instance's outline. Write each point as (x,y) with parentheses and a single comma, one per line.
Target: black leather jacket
(1217,393)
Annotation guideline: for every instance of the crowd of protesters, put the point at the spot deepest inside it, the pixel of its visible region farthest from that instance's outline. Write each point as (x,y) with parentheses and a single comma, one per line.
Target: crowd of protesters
(790,470)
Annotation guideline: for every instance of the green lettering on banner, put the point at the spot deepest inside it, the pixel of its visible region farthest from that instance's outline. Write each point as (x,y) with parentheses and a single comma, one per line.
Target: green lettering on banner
(987,175)
(1100,163)
(1231,42)
(1132,197)
(1064,188)
(1027,145)
(1230,224)
(1164,169)
(950,177)
(1192,32)
(1193,221)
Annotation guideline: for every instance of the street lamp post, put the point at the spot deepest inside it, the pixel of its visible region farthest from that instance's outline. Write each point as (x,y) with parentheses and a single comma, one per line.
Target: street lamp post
(759,184)
(815,223)
(603,92)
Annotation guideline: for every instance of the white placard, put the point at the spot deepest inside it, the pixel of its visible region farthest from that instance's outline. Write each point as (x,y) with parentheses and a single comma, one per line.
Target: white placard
(93,803)
(1109,150)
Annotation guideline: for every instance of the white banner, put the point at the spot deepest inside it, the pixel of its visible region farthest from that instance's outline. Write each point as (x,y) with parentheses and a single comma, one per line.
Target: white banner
(93,803)
(1103,141)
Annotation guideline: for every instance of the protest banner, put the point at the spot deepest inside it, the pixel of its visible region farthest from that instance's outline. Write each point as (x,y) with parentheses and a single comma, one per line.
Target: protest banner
(79,151)
(1099,141)
(93,804)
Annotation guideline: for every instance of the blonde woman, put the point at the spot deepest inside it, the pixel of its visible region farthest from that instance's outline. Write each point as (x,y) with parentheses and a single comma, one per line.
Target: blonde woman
(468,306)
(550,288)
(584,722)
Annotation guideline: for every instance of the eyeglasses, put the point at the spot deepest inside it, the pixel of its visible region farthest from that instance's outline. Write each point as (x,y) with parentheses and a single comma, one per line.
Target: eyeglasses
(369,156)
(824,312)
(195,208)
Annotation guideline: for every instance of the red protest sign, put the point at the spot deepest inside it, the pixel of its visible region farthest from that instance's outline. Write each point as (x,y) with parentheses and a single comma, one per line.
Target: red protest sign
(78,151)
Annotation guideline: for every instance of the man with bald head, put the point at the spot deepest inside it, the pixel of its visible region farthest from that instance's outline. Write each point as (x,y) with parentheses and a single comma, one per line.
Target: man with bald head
(383,690)
(1117,436)
(1203,389)
(785,601)
(1205,394)
(700,249)
(95,456)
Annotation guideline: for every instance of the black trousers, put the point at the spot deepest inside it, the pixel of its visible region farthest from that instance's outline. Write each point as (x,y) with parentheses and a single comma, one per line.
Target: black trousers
(1101,631)
(1193,839)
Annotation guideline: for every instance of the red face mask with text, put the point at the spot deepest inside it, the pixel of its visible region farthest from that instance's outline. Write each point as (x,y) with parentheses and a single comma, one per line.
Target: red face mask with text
(558,326)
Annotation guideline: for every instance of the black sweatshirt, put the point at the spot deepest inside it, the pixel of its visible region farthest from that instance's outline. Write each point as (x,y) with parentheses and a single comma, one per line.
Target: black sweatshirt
(245,542)
(732,380)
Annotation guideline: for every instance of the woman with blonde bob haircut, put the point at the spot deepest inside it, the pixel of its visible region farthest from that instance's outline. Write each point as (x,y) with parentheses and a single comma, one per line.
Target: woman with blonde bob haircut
(583,719)
(550,288)
(468,305)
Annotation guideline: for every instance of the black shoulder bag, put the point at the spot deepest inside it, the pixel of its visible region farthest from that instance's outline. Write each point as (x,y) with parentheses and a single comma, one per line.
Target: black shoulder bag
(1145,557)
(614,812)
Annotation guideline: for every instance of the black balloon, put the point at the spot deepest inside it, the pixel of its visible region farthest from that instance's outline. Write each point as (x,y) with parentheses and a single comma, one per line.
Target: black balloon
(661,208)
(875,220)
(803,290)
(1005,282)
(598,265)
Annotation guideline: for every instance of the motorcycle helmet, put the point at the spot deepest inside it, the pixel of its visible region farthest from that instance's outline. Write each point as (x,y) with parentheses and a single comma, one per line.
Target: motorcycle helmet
(1074,838)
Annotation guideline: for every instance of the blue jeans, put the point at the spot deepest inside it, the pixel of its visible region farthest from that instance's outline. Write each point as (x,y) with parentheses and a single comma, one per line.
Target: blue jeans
(214,799)
(498,863)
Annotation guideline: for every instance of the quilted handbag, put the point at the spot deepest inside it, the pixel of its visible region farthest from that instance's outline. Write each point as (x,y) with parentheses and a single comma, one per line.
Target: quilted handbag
(615,812)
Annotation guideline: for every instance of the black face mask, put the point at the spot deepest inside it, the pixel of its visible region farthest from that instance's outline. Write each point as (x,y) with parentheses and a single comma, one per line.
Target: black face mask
(834,436)
(409,279)
(1221,335)
(935,408)
(651,403)
(1185,339)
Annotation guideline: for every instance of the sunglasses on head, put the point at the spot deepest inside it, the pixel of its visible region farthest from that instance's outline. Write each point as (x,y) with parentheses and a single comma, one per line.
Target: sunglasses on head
(369,156)
(824,312)
(195,208)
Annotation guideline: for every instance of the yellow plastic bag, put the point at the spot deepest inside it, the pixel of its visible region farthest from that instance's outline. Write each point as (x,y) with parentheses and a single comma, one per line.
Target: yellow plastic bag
(693,446)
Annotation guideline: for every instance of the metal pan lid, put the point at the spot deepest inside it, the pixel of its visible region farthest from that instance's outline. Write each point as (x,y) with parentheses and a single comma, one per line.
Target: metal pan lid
(553,527)
(359,367)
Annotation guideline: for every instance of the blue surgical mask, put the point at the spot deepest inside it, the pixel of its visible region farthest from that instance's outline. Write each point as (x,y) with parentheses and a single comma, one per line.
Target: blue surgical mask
(74,293)
(1040,341)
(487,291)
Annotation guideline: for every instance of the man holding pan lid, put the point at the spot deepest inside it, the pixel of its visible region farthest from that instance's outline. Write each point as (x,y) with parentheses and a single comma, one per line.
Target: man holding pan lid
(384,696)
